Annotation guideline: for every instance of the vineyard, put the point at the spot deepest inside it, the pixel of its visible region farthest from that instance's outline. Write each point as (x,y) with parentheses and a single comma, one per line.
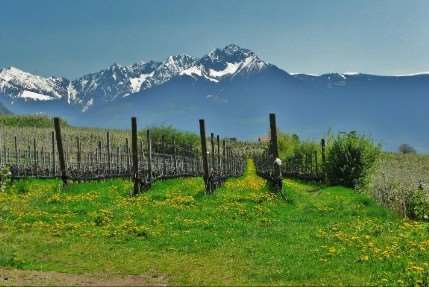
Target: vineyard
(273,219)
(95,154)
(53,149)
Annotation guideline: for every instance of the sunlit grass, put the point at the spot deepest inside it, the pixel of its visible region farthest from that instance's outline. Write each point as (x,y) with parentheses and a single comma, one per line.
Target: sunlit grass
(242,234)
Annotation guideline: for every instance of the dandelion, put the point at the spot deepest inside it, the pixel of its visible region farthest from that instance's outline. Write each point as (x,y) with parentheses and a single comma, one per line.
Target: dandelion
(363,258)
(332,250)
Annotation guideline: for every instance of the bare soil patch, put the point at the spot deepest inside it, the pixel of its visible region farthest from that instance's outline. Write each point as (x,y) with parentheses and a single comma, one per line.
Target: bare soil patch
(13,277)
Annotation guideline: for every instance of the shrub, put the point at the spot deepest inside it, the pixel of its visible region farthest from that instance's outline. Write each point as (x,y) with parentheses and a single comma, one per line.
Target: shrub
(296,153)
(406,148)
(349,158)
(4,178)
(401,183)
(168,132)
(287,144)
(418,204)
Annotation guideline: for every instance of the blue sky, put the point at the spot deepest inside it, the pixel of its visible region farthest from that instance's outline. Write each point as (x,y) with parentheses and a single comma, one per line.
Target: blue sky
(73,37)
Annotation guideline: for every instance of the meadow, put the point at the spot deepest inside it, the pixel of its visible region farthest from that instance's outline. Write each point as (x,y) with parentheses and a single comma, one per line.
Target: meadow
(243,234)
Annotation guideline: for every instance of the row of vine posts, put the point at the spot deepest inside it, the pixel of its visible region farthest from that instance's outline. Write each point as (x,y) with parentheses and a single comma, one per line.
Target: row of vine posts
(215,161)
(270,167)
(141,164)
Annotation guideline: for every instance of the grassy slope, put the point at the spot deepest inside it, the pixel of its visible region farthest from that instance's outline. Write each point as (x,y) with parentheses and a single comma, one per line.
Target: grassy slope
(242,234)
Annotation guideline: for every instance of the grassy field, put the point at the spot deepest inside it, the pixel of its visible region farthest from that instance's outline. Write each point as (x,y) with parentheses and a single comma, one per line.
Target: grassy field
(243,234)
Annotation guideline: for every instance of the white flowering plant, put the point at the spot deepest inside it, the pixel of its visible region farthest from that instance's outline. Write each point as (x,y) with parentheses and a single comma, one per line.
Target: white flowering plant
(5,178)
(401,182)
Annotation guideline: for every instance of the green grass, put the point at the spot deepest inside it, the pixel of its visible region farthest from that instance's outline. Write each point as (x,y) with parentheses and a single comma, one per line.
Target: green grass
(242,234)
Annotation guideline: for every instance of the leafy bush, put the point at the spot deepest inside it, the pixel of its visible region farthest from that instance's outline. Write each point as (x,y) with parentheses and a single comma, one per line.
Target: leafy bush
(349,158)
(418,204)
(287,145)
(406,148)
(168,132)
(293,151)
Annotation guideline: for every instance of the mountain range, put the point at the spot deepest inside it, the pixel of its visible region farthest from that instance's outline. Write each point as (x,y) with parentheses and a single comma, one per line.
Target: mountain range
(234,90)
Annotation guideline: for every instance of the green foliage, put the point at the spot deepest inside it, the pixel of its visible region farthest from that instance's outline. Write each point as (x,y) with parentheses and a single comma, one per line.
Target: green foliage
(169,132)
(292,149)
(37,121)
(287,144)
(11,261)
(103,217)
(413,278)
(350,157)
(418,205)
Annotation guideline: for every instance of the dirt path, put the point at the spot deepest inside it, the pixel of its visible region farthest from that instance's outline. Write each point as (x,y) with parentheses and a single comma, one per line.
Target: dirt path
(13,277)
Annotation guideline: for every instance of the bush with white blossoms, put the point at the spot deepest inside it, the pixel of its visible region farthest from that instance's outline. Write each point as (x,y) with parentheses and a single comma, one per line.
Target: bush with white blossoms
(401,182)
(5,176)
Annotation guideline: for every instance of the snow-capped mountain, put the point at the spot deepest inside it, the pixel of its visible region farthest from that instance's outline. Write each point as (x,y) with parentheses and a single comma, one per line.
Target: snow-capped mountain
(234,90)
(223,63)
(121,81)
(21,85)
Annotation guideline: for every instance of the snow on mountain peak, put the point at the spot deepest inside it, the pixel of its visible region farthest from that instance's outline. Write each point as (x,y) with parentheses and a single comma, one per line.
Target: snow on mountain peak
(15,82)
(118,81)
(179,63)
(231,60)
(231,53)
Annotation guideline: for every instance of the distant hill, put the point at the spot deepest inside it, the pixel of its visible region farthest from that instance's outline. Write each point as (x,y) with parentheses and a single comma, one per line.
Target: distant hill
(3,110)
(234,89)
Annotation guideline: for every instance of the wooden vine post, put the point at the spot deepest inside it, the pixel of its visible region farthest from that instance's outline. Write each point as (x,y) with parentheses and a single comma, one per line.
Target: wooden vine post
(174,155)
(99,162)
(16,151)
(223,158)
(212,156)
(118,160)
(109,156)
(218,168)
(206,173)
(127,155)
(277,175)
(149,157)
(34,157)
(53,153)
(78,155)
(163,152)
(323,147)
(228,161)
(57,127)
(316,165)
(135,156)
